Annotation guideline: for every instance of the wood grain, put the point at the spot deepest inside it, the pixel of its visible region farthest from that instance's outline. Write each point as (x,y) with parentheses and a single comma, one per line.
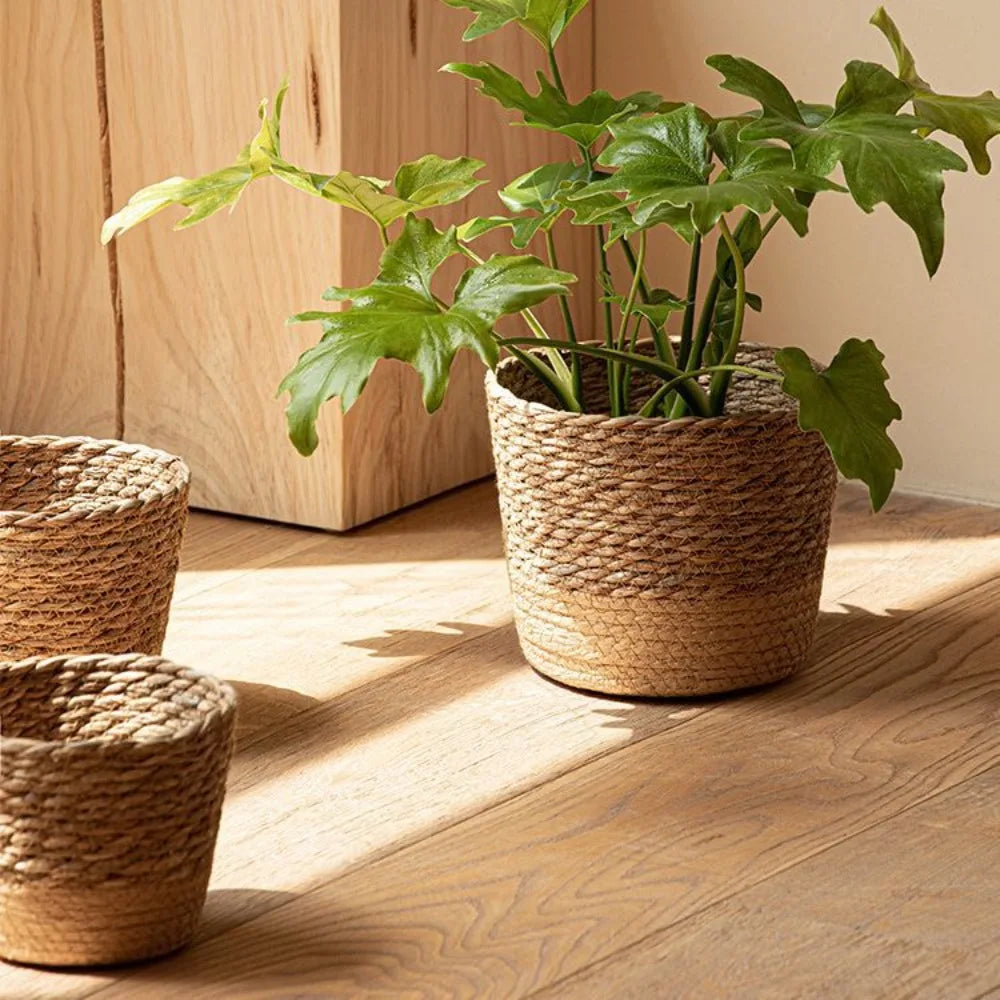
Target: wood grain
(57,359)
(412,810)
(396,106)
(205,308)
(911,901)
(561,877)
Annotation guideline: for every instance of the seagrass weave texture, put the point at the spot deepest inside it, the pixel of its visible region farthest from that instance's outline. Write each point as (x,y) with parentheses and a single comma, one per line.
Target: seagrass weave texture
(90,535)
(655,557)
(112,776)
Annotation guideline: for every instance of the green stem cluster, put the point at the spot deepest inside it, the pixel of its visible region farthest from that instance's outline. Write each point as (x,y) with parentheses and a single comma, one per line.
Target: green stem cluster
(681,393)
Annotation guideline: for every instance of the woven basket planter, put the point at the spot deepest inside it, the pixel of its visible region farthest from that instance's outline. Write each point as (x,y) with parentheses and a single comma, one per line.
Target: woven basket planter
(112,780)
(90,535)
(655,557)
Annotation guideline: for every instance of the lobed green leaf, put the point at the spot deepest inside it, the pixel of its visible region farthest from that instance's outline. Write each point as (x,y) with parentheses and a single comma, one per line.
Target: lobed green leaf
(974,120)
(848,403)
(398,316)
(883,158)
(584,123)
(544,20)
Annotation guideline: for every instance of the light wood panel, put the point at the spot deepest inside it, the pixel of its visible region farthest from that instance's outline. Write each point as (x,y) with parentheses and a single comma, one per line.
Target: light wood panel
(396,107)
(57,330)
(205,309)
(412,808)
(205,341)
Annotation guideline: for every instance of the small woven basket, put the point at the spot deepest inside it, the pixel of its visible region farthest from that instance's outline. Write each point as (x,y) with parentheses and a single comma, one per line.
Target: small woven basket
(112,775)
(656,557)
(90,535)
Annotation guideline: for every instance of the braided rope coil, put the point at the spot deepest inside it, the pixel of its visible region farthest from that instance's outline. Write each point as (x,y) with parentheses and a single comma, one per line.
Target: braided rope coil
(90,535)
(112,777)
(656,557)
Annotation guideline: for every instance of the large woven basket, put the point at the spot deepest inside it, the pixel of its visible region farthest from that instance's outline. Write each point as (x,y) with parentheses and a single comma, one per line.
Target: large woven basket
(90,535)
(655,557)
(111,785)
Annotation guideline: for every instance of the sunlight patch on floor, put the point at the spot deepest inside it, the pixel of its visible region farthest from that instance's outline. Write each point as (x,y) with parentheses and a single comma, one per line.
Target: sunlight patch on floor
(906,575)
(386,782)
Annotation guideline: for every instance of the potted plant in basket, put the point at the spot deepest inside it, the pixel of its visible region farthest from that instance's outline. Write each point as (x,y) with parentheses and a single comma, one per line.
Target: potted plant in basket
(666,498)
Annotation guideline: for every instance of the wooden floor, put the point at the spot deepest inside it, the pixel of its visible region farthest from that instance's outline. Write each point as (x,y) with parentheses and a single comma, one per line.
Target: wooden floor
(414,813)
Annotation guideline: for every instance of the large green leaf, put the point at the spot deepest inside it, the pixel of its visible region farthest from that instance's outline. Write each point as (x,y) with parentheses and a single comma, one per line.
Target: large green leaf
(665,160)
(883,157)
(422,184)
(849,405)
(535,192)
(206,195)
(766,172)
(584,123)
(975,120)
(545,20)
(523,228)
(398,316)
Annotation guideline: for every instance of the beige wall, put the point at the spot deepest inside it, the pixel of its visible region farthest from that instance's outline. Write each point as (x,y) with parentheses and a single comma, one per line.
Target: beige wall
(858,275)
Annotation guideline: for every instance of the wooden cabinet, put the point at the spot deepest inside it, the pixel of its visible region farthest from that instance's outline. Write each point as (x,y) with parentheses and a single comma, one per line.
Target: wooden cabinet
(202,343)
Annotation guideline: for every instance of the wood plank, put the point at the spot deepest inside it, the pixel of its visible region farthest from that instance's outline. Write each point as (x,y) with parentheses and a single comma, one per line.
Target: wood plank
(552,881)
(205,309)
(531,885)
(922,925)
(221,585)
(394,454)
(58,357)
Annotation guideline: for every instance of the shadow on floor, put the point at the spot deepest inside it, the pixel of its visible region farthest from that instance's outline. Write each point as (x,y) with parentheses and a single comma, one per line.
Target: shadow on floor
(264,708)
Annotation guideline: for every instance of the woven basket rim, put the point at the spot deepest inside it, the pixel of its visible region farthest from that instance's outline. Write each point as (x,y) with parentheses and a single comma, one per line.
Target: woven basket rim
(661,425)
(20,745)
(16,518)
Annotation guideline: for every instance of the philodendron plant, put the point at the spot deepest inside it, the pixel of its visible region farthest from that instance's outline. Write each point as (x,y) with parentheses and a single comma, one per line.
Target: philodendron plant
(633,164)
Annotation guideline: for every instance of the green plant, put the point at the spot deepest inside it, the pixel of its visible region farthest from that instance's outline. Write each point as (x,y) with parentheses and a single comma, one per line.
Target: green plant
(638,163)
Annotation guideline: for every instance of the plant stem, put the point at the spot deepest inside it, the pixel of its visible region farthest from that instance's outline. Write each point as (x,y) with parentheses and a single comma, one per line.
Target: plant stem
(691,302)
(554,67)
(769,225)
(697,350)
(627,388)
(608,325)
(383,234)
(704,328)
(652,365)
(664,349)
(604,281)
(633,293)
(550,245)
(622,374)
(547,377)
(651,404)
(721,379)
(633,264)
